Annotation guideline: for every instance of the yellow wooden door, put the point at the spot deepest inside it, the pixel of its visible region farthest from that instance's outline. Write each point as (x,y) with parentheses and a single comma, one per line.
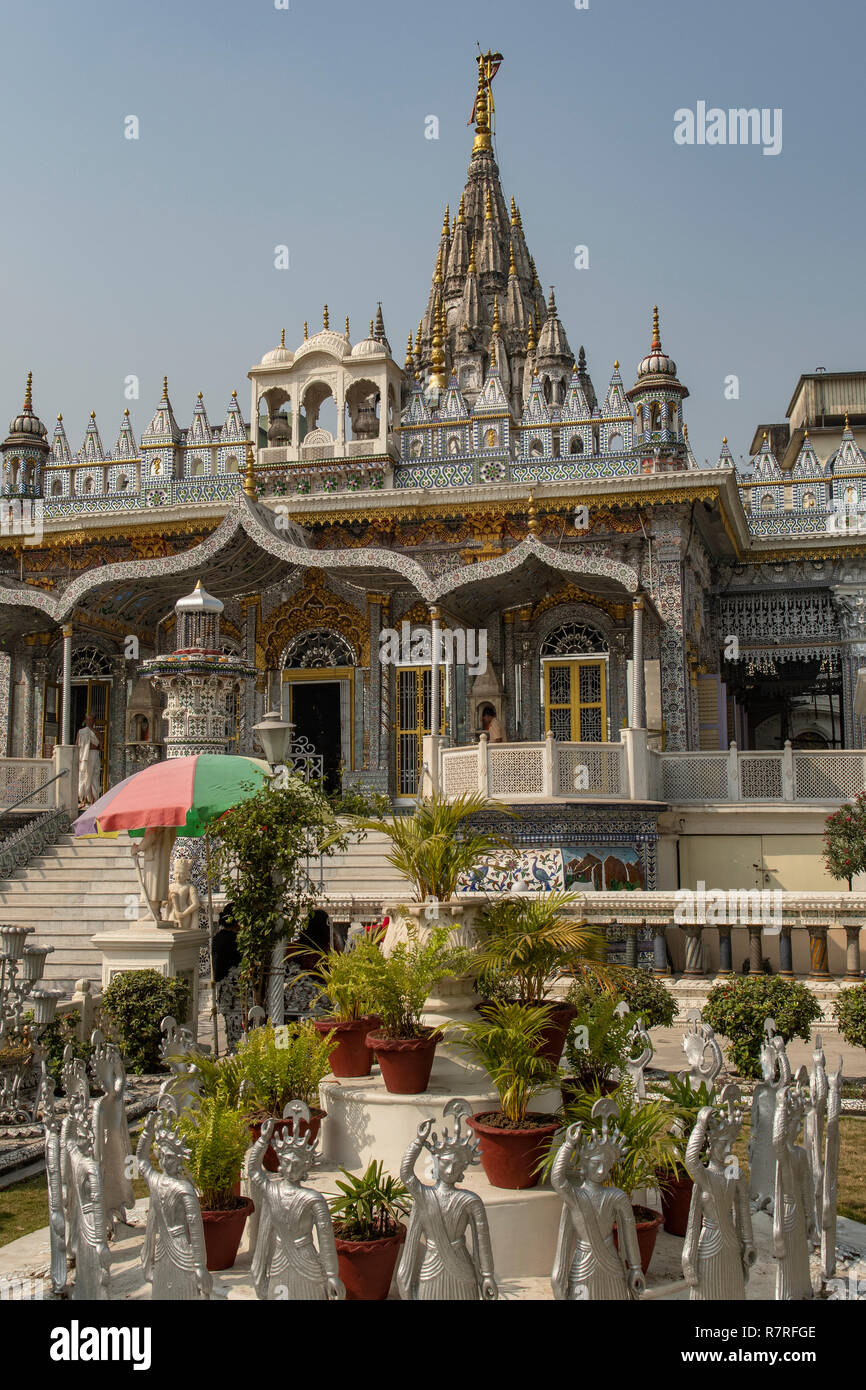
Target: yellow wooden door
(575,701)
(414,687)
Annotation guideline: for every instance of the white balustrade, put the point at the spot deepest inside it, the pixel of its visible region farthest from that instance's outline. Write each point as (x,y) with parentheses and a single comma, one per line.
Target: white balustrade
(26,778)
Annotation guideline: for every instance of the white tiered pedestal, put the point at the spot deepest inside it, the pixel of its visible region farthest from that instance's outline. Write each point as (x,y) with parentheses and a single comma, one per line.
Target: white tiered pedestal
(365,1122)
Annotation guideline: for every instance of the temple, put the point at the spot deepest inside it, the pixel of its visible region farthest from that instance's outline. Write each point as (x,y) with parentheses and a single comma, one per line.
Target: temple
(641,611)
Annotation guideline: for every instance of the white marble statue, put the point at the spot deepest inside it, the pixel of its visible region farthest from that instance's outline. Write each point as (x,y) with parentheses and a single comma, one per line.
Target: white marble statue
(109,1115)
(173,1258)
(776,1070)
(183,901)
(794,1229)
(152,856)
(88,1224)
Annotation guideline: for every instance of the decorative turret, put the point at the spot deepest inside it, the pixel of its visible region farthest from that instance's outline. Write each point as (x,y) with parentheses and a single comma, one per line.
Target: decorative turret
(554,358)
(657,399)
(25,450)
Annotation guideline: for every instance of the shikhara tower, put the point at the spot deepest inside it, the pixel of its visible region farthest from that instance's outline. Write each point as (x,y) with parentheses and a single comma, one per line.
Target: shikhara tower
(488,481)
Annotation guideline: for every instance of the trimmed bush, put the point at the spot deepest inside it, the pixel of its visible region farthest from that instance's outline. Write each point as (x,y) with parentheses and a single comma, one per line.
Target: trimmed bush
(738,1009)
(137,1001)
(850,1009)
(644,994)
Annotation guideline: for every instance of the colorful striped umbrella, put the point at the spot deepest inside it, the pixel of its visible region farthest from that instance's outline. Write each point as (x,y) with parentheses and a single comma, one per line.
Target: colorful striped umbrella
(186,793)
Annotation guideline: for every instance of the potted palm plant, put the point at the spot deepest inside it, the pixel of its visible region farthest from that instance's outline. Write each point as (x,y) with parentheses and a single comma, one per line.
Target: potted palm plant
(368,1230)
(525,944)
(273,1066)
(651,1155)
(506,1042)
(217,1136)
(345,978)
(399,985)
(676,1186)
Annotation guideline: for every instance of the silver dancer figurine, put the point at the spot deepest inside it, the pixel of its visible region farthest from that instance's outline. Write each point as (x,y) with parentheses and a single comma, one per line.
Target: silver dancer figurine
(794,1227)
(718,1251)
(88,1226)
(54,1176)
(109,1112)
(174,1257)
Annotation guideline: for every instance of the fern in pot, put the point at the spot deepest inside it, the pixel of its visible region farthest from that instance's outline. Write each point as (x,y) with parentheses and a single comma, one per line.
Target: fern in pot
(346,981)
(275,1065)
(217,1135)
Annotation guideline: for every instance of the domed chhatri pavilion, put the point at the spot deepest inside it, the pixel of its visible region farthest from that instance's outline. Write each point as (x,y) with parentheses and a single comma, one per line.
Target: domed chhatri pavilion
(625,612)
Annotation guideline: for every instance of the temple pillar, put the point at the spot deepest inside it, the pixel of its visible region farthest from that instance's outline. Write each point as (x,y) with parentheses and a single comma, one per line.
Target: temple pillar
(638,692)
(726,965)
(786,953)
(756,956)
(694,951)
(660,950)
(66,727)
(818,969)
(631,944)
(852,954)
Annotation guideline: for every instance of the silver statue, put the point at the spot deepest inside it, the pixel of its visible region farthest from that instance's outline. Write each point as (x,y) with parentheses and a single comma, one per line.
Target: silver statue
(109,1115)
(831,1175)
(54,1177)
(588,1266)
(794,1227)
(718,1251)
(173,1258)
(88,1226)
(73,1076)
(287,1262)
(703,1053)
(636,1066)
(776,1070)
(178,1051)
(436,1262)
(816,1118)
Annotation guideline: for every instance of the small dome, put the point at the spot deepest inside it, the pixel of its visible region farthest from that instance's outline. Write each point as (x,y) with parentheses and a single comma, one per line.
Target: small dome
(334,344)
(27,422)
(199,601)
(279,356)
(657,364)
(369,347)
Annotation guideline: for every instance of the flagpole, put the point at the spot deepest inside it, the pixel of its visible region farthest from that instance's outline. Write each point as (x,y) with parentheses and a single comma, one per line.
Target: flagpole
(213,1003)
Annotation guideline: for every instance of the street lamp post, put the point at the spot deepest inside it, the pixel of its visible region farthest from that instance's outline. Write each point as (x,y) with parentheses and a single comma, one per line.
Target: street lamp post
(275,735)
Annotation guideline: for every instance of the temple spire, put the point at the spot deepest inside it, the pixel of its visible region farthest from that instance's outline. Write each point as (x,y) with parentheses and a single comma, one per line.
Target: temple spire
(656,344)
(28,393)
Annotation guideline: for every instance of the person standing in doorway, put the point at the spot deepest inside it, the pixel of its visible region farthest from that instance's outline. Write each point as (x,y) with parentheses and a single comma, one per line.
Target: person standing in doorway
(89,762)
(492,725)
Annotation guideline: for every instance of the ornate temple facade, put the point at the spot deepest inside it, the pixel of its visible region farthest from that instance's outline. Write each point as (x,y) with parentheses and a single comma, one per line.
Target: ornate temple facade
(486,485)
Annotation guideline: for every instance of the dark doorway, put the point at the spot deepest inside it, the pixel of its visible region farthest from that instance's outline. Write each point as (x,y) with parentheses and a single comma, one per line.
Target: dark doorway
(316,716)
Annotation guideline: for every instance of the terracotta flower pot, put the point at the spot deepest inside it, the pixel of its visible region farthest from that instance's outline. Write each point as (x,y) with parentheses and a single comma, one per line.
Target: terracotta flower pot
(510,1157)
(270,1161)
(676,1203)
(350,1055)
(222,1233)
(555,1032)
(367,1266)
(647,1223)
(405,1063)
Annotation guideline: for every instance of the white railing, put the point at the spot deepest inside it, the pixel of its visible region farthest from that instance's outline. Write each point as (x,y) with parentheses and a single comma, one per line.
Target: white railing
(23,780)
(629,771)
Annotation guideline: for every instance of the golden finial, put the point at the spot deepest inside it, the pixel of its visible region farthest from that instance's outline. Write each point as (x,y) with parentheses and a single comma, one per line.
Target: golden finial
(28,392)
(325,320)
(514,221)
(234,395)
(126,413)
(532,523)
(656,344)
(805,436)
(347,328)
(305,330)
(493,354)
(93,414)
(512,268)
(60,418)
(446,220)
(408,363)
(249,476)
(765,436)
(282,337)
(461,211)
(482,112)
(371,329)
(496,313)
(199,395)
(846,420)
(530,336)
(437,276)
(472,268)
(536,283)
(165,388)
(454,226)
(488,207)
(724,439)
(616,365)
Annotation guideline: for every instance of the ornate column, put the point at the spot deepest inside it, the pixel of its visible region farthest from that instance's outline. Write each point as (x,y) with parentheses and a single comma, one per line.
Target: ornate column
(818,969)
(508,658)
(756,956)
(852,953)
(26,714)
(66,727)
(637,718)
(726,966)
(786,954)
(40,676)
(631,944)
(694,950)
(250,615)
(660,950)
(528,688)
(668,597)
(850,604)
(375,721)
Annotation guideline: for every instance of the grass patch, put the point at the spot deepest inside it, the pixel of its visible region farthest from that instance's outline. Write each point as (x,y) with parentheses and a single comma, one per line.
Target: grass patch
(24,1206)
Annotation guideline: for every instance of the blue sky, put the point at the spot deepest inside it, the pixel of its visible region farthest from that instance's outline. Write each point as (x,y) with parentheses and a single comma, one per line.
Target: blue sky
(306,127)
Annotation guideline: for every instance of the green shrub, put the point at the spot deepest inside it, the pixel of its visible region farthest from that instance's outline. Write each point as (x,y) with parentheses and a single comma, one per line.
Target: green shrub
(270,1067)
(401,982)
(55,1039)
(371,1206)
(643,992)
(597,1045)
(506,1043)
(218,1137)
(850,1009)
(137,1001)
(738,1009)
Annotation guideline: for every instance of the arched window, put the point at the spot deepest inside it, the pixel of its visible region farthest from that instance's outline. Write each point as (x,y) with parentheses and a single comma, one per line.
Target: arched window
(616,443)
(318,647)
(573,639)
(122,483)
(850,495)
(197,467)
(536,449)
(576,445)
(768,502)
(453,445)
(88,485)
(231,464)
(57,488)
